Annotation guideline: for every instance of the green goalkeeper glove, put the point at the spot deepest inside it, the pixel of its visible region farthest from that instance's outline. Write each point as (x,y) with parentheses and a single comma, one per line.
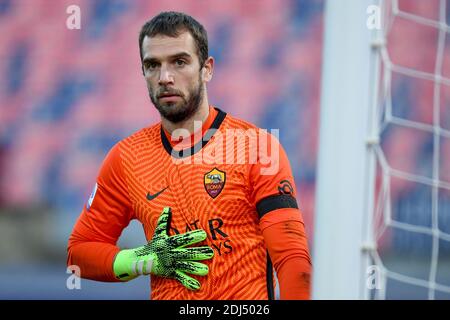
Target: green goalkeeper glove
(166,256)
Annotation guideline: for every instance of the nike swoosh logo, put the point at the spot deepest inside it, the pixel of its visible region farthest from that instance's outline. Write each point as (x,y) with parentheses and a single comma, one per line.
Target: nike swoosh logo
(153,196)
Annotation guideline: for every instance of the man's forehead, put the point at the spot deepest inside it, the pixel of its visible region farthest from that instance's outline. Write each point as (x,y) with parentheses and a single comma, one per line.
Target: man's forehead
(161,46)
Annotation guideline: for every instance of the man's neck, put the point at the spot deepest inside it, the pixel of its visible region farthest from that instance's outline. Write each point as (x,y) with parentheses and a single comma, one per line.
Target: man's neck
(200,115)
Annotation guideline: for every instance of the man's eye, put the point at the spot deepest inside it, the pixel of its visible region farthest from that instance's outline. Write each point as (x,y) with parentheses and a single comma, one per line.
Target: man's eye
(180,62)
(150,65)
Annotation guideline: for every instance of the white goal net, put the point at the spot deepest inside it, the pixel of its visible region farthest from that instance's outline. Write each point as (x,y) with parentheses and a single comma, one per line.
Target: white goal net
(411,226)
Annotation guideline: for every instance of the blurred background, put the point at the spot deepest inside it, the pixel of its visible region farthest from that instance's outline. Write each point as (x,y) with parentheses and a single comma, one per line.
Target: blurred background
(67,96)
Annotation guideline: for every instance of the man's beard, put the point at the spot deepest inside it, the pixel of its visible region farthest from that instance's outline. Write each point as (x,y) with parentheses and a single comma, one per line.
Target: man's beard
(178,111)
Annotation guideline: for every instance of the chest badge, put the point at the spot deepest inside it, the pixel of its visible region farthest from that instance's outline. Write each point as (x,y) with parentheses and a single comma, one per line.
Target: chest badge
(214,181)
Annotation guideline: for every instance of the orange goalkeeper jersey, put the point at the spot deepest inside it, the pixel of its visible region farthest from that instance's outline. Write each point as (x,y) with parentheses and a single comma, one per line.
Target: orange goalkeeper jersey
(233,182)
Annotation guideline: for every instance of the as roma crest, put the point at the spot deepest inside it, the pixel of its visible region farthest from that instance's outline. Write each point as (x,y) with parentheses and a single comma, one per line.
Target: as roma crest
(214,181)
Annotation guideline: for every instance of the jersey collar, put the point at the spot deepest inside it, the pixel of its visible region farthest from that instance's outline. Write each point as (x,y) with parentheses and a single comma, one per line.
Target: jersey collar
(179,154)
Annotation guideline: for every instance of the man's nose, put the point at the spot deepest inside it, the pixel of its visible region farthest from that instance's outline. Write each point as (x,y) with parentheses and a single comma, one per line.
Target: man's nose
(165,77)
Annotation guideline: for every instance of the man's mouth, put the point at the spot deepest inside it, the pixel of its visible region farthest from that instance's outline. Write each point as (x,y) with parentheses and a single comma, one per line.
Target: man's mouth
(168,94)
(168,97)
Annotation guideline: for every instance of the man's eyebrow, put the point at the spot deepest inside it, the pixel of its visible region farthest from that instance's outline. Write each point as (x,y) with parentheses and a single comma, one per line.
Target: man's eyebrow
(174,56)
(149,59)
(181,55)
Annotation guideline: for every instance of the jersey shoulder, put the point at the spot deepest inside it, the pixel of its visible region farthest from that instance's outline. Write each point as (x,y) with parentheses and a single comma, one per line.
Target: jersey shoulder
(251,129)
(147,135)
(141,144)
(232,122)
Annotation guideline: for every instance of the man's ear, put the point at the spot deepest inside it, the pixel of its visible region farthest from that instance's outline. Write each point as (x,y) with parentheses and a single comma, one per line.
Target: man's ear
(207,70)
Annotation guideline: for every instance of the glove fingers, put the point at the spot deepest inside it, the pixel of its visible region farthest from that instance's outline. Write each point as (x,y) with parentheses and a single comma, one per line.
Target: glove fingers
(163,221)
(195,253)
(188,282)
(192,267)
(188,238)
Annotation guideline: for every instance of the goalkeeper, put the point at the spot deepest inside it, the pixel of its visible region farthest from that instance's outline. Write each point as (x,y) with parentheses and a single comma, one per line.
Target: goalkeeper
(248,209)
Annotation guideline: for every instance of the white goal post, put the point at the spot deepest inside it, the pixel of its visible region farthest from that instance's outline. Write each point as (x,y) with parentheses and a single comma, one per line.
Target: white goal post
(383,190)
(346,160)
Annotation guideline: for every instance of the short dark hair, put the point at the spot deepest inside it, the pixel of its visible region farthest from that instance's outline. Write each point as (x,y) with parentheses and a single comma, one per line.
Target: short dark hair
(172,24)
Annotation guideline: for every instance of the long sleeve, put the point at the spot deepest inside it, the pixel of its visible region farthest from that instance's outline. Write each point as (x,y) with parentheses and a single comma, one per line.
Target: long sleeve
(281,223)
(288,249)
(92,244)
